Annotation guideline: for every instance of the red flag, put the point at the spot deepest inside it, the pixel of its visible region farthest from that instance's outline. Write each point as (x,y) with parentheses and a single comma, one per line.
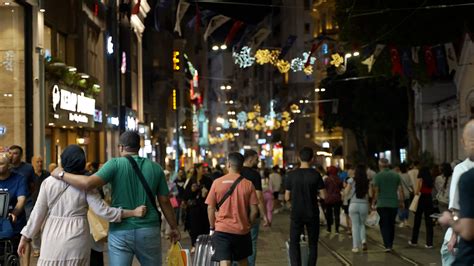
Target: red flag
(197,23)
(430,61)
(233,31)
(136,8)
(396,64)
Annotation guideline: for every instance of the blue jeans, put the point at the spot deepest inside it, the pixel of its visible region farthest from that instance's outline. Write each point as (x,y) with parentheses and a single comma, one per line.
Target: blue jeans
(446,257)
(358,213)
(254,234)
(145,243)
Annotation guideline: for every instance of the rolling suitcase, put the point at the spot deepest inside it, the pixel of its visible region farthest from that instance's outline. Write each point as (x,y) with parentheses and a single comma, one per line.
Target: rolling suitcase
(304,250)
(204,252)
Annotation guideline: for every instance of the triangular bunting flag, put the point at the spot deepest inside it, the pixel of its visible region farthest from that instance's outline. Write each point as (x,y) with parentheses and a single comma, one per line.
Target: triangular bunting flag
(214,24)
(259,37)
(182,8)
(451,57)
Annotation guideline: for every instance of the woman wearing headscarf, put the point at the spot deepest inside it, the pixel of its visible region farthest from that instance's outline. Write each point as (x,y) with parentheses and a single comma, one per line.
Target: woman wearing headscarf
(63,211)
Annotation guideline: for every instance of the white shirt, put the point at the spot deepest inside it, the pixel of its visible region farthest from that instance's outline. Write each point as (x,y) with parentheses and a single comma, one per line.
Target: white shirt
(413,173)
(276,181)
(454,190)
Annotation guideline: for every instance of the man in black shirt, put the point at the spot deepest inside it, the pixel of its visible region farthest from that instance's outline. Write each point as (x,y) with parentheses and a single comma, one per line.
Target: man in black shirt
(302,186)
(464,224)
(249,172)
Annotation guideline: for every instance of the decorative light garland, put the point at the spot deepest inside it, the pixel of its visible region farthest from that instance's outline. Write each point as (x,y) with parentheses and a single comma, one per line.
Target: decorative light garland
(264,56)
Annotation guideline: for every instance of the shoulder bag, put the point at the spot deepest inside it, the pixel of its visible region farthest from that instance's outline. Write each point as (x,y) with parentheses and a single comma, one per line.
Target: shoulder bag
(229,192)
(145,185)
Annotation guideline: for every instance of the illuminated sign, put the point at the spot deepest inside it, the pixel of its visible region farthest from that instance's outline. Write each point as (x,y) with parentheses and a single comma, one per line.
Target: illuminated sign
(71,108)
(131,123)
(174,99)
(110,45)
(123,67)
(176,61)
(113,120)
(98,116)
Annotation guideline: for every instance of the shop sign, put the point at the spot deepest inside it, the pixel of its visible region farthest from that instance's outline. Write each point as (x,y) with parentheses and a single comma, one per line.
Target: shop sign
(113,120)
(98,116)
(131,123)
(70,108)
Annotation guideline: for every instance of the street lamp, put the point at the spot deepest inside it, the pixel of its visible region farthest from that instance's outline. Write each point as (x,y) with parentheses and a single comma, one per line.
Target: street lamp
(222,87)
(215,48)
(220,120)
(223,46)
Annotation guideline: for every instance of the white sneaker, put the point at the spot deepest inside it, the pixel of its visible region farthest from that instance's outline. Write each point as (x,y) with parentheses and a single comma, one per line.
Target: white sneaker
(355,250)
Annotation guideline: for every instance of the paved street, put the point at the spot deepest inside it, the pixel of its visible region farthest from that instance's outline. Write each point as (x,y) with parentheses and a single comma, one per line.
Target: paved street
(336,249)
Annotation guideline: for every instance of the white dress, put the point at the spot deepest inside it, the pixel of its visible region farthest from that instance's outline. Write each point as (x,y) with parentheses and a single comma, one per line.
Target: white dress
(65,236)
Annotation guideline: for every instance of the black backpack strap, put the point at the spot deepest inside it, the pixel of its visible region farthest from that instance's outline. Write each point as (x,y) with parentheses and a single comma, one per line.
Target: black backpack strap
(145,185)
(229,192)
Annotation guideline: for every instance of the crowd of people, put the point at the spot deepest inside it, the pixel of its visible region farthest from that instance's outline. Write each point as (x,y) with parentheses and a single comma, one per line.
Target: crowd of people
(48,210)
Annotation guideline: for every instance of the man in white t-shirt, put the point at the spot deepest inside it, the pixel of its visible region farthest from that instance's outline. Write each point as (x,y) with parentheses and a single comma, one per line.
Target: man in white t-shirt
(450,238)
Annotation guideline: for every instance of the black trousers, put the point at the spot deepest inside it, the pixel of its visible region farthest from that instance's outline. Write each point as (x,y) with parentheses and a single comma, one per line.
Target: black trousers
(387,225)
(333,214)
(97,258)
(425,207)
(296,229)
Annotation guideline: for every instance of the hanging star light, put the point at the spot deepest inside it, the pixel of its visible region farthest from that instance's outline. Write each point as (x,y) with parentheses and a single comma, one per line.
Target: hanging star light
(283,66)
(337,60)
(243,58)
(262,56)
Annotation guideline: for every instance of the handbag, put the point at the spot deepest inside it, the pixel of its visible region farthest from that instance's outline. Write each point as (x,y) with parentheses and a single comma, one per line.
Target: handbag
(414,203)
(98,226)
(373,219)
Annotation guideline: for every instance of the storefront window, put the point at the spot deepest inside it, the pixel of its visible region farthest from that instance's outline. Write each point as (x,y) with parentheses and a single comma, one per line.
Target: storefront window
(12,76)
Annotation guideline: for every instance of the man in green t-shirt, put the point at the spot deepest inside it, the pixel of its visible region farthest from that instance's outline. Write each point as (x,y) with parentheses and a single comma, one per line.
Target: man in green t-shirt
(133,236)
(388,195)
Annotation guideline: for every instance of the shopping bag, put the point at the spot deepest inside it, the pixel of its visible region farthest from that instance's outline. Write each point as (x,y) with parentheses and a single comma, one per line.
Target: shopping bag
(174,257)
(372,219)
(322,217)
(98,226)
(186,256)
(174,202)
(414,203)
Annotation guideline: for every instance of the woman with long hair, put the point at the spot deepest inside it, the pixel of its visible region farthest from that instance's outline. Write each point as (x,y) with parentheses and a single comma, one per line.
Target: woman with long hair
(357,190)
(425,207)
(442,184)
(65,238)
(197,222)
(403,213)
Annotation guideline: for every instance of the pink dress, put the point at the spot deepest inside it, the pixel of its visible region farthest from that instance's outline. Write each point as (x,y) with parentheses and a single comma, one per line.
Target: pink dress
(65,236)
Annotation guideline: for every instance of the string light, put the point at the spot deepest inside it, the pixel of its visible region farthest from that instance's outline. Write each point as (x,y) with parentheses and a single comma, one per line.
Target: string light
(243,58)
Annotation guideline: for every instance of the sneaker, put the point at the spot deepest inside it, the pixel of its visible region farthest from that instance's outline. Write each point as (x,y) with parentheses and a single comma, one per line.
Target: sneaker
(412,244)
(364,246)
(388,250)
(355,250)
(429,247)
